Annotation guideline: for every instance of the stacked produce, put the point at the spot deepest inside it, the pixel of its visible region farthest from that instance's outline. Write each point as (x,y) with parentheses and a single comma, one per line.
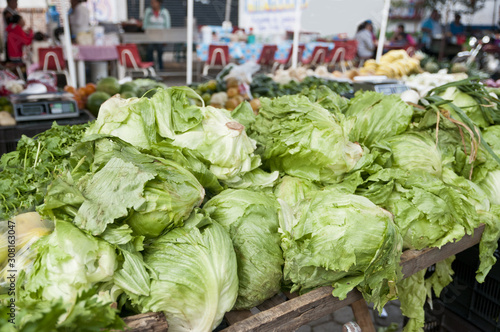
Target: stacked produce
(92,95)
(164,204)
(393,64)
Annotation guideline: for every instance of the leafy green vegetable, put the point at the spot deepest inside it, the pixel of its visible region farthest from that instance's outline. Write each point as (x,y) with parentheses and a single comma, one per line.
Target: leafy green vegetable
(292,190)
(133,120)
(341,240)
(377,116)
(251,218)
(88,314)
(68,262)
(152,194)
(196,279)
(302,139)
(26,172)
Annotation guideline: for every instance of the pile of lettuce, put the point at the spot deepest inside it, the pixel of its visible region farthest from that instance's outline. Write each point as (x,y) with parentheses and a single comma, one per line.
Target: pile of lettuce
(163,204)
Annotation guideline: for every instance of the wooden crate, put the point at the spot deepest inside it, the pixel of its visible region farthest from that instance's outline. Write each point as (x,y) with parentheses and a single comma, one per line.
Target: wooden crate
(287,311)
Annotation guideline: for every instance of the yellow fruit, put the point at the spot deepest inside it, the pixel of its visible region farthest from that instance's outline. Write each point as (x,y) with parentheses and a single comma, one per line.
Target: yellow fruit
(231,104)
(232,92)
(232,83)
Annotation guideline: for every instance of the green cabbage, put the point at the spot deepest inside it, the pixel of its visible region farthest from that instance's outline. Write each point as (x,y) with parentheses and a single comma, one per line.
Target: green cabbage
(341,240)
(194,274)
(151,194)
(428,212)
(292,190)
(377,116)
(251,218)
(414,151)
(68,262)
(302,139)
(133,120)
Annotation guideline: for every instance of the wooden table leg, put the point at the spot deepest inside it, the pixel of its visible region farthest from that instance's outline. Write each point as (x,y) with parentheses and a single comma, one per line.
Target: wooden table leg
(362,315)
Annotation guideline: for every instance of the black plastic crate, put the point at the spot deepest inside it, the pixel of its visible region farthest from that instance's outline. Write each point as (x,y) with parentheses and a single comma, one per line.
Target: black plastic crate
(478,303)
(440,319)
(10,135)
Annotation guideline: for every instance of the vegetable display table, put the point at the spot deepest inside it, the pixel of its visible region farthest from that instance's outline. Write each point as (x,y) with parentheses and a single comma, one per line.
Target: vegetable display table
(287,312)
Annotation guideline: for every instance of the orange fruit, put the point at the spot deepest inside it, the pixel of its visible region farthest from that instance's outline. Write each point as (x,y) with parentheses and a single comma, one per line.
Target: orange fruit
(69,88)
(90,87)
(82,91)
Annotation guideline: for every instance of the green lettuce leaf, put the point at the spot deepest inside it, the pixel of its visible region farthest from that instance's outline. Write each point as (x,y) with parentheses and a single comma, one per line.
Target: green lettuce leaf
(377,116)
(345,241)
(251,218)
(196,270)
(302,139)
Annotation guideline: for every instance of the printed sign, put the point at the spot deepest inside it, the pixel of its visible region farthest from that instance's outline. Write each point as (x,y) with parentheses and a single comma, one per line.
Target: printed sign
(269,17)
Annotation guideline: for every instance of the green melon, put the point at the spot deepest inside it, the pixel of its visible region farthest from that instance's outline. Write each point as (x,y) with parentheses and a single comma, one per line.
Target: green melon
(95,101)
(109,85)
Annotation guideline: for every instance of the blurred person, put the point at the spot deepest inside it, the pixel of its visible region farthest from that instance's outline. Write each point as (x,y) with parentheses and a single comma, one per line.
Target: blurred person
(17,38)
(457,30)
(400,37)
(8,14)
(366,43)
(156,17)
(79,19)
(431,29)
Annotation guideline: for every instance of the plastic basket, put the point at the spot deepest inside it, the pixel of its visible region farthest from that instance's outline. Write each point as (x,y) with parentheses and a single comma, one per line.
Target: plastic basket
(478,303)
(10,135)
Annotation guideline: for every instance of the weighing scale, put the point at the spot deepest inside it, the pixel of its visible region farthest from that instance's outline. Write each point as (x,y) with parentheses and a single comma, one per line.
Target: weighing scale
(44,106)
(379,84)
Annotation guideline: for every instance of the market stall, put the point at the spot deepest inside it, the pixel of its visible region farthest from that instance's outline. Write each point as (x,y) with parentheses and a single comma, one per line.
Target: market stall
(261,199)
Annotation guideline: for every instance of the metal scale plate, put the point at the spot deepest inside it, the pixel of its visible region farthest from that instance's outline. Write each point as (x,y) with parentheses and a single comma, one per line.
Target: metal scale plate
(44,106)
(379,84)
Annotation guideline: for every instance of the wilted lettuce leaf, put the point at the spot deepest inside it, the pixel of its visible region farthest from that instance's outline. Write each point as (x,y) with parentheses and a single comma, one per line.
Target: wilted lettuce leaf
(251,218)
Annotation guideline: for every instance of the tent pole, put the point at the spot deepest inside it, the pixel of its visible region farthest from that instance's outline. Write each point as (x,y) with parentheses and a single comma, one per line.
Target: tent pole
(189,49)
(383,28)
(228,11)
(296,34)
(67,44)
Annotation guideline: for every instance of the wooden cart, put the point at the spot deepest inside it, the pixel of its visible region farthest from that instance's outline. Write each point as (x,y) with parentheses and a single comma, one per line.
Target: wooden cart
(287,312)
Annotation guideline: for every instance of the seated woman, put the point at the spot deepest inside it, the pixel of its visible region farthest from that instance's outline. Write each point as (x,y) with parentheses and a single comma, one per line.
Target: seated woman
(17,38)
(400,37)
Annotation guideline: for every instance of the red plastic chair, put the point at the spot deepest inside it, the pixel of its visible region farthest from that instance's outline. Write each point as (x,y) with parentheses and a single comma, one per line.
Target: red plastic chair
(218,57)
(344,52)
(288,61)
(130,60)
(266,57)
(317,57)
(52,58)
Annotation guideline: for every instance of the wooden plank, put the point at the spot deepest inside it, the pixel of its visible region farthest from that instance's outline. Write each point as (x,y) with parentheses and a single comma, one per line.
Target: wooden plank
(272,302)
(362,315)
(302,309)
(235,316)
(148,322)
(413,261)
(296,312)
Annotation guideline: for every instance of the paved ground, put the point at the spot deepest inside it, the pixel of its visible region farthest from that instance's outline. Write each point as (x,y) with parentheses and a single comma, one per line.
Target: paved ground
(335,321)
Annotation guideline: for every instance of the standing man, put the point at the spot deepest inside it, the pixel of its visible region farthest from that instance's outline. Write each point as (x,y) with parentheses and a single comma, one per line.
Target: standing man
(431,29)
(156,17)
(8,14)
(79,17)
(457,30)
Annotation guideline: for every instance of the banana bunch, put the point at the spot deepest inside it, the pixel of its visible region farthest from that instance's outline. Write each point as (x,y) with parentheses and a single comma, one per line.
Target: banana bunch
(393,64)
